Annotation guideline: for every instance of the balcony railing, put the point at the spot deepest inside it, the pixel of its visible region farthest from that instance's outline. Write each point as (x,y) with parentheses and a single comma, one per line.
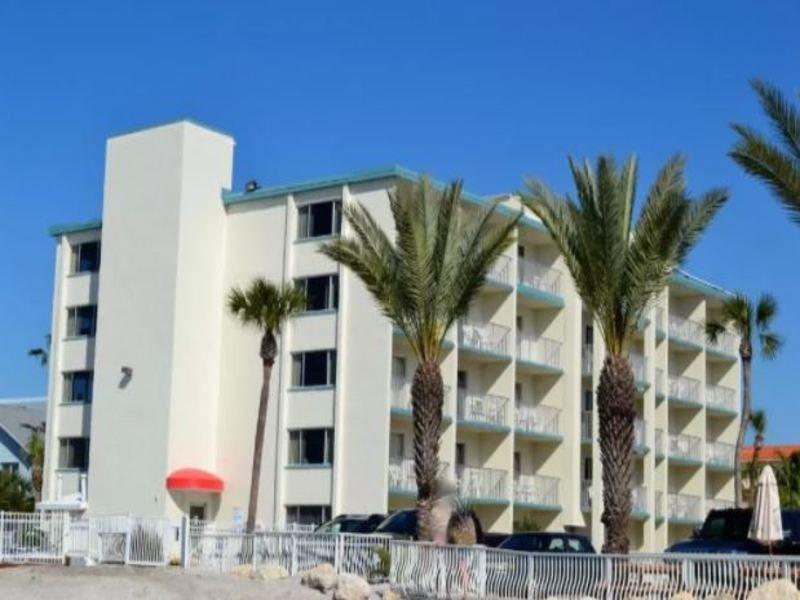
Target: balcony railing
(684,388)
(717,504)
(586,425)
(684,507)
(660,443)
(639,366)
(639,434)
(687,330)
(480,483)
(659,382)
(721,398)
(483,337)
(482,408)
(537,419)
(720,454)
(587,359)
(639,499)
(536,489)
(538,349)
(401,393)
(685,447)
(402,479)
(727,343)
(539,276)
(500,271)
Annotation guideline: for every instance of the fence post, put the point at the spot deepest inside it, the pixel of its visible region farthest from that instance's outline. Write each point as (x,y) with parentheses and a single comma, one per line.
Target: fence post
(293,562)
(529,576)
(481,572)
(128,539)
(686,575)
(608,568)
(337,552)
(66,536)
(185,533)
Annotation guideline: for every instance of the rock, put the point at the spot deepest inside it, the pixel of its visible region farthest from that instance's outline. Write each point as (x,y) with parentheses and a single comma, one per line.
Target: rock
(683,596)
(321,578)
(779,589)
(351,587)
(242,570)
(270,573)
(390,594)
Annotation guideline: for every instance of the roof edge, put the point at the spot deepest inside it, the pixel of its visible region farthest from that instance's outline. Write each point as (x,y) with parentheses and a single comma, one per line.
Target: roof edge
(65,228)
(701,285)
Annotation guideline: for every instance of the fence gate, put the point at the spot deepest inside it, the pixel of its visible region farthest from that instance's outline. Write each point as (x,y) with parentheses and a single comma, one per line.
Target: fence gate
(148,541)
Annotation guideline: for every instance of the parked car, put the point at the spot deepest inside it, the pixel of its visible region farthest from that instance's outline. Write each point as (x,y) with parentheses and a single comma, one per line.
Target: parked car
(493,540)
(400,525)
(351,524)
(725,532)
(548,542)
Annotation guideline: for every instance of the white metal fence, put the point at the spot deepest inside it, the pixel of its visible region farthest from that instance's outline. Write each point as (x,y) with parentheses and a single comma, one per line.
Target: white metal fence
(33,538)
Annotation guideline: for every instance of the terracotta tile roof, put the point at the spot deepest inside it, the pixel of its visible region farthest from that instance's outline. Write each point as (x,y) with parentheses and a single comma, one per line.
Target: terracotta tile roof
(770,453)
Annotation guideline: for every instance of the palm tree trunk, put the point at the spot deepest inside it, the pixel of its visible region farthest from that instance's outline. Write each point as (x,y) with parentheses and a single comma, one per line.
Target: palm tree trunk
(747,407)
(616,391)
(427,398)
(268,351)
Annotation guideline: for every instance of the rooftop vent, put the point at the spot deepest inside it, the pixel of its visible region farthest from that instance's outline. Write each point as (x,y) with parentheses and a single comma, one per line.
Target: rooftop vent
(251,186)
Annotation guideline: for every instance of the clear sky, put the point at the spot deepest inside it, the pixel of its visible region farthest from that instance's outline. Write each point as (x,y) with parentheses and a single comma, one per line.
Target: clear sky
(490,92)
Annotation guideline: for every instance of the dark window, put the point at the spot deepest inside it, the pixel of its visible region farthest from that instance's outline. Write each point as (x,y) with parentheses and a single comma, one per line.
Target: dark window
(521,251)
(322,293)
(307,515)
(314,368)
(86,257)
(78,386)
(588,335)
(587,468)
(311,447)
(73,453)
(461,380)
(319,219)
(461,454)
(588,400)
(517,464)
(81,320)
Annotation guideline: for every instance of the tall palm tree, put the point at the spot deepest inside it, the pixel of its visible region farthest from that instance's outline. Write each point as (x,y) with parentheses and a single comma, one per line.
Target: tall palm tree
(758,423)
(423,282)
(746,320)
(775,163)
(619,268)
(265,306)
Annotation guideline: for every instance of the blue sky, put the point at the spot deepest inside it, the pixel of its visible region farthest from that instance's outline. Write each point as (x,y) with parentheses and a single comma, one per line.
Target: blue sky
(490,92)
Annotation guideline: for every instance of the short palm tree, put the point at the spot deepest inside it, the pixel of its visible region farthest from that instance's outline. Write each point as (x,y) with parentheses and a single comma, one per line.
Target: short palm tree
(619,268)
(758,423)
(775,163)
(265,306)
(423,282)
(746,320)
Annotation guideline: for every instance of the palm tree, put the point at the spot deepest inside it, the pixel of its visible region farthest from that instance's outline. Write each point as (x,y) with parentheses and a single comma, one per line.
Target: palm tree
(424,282)
(775,163)
(758,423)
(739,313)
(619,269)
(787,473)
(35,450)
(42,353)
(265,306)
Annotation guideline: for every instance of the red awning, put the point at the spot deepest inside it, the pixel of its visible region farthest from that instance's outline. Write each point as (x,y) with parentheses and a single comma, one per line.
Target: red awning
(194,480)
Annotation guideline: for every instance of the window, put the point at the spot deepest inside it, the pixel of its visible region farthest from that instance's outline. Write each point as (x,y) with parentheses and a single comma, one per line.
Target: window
(461,454)
(462,380)
(9,467)
(587,468)
(85,257)
(397,442)
(521,251)
(588,335)
(517,464)
(588,400)
(322,293)
(81,320)
(314,368)
(519,324)
(78,386)
(517,393)
(311,447)
(398,367)
(307,515)
(319,219)
(73,453)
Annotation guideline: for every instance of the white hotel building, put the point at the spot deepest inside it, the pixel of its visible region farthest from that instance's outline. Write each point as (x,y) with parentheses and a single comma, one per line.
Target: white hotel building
(153,387)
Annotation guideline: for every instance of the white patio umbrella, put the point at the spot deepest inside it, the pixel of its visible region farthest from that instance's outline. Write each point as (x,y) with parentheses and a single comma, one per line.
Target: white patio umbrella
(766,526)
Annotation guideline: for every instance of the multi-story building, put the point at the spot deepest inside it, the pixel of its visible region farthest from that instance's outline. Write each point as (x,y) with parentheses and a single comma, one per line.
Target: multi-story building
(154,387)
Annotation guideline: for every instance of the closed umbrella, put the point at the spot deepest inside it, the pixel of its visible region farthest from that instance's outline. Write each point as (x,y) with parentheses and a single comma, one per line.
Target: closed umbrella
(767,525)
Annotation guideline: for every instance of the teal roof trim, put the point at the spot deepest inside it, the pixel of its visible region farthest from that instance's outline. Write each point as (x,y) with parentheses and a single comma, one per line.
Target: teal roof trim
(701,286)
(57,230)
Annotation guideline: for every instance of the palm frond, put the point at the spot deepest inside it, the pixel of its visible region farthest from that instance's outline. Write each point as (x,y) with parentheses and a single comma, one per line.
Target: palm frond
(265,305)
(783,115)
(766,309)
(771,344)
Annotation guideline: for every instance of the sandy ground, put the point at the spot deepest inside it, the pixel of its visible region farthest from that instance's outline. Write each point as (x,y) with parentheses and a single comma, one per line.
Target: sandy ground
(128,583)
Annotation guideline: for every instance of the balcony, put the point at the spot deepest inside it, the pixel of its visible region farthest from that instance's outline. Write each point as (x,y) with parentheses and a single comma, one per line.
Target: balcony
(538,354)
(660,322)
(587,360)
(639,366)
(482,486)
(487,340)
(482,411)
(639,502)
(586,496)
(537,491)
(720,456)
(726,348)
(684,509)
(661,450)
(686,333)
(401,397)
(685,449)
(538,422)
(71,492)
(659,505)
(640,436)
(586,427)
(538,284)
(402,480)
(499,276)
(718,504)
(684,391)
(659,383)
(721,400)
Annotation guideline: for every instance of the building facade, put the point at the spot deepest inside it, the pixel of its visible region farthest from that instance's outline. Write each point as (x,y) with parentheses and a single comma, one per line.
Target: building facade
(154,387)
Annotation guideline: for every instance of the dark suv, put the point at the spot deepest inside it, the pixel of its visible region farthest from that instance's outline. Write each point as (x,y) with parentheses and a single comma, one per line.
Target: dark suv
(725,532)
(351,524)
(548,542)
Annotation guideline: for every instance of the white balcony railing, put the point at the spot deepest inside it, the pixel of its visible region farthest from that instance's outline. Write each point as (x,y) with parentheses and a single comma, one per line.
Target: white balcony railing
(483,337)
(721,397)
(539,276)
(684,507)
(727,343)
(684,388)
(401,393)
(536,489)
(685,447)
(587,359)
(500,271)
(482,408)
(687,330)
(639,499)
(538,349)
(639,366)
(720,454)
(480,483)
(537,419)
(718,504)
(402,478)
